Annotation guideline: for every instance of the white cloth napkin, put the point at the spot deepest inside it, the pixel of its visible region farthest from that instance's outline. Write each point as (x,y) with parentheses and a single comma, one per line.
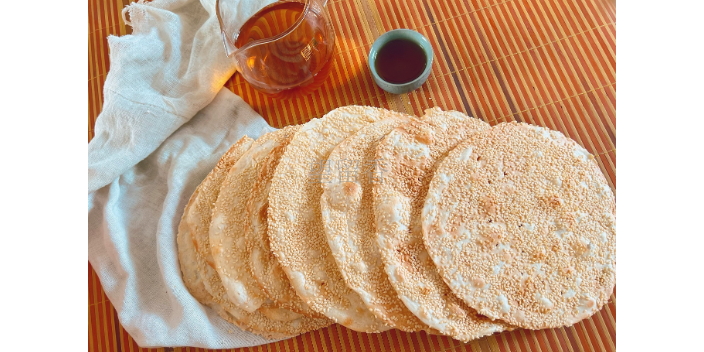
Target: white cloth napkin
(171,66)
(147,157)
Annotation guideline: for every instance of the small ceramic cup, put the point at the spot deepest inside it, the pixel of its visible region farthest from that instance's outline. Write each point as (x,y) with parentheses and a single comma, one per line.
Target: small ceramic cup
(408,35)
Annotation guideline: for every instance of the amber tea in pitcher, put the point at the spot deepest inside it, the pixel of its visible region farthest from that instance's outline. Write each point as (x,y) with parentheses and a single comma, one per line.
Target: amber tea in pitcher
(285,49)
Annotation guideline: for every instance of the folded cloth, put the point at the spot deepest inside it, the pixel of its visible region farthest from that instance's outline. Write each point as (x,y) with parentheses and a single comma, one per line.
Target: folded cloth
(171,66)
(132,225)
(166,120)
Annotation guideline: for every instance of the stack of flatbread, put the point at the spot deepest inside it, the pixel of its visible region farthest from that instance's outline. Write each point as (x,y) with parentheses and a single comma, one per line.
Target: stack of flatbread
(376,220)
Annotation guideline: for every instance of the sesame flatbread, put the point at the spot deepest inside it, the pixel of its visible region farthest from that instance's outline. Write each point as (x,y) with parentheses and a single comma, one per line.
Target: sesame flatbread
(263,264)
(188,262)
(266,321)
(296,230)
(232,320)
(413,150)
(229,224)
(348,217)
(520,222)
(193,281)
(198,212)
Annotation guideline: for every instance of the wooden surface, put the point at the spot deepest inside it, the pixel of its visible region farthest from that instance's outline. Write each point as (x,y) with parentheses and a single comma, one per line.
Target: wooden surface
(551,63)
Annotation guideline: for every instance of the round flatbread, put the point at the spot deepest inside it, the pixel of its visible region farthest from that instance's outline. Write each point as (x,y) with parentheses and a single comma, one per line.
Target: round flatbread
(348,218)
(187,259)
(221,312)
(229,224)
(198,211)
(266,321)
(413,150)
(520,222)
(296,229)
(263,264)
(193,280)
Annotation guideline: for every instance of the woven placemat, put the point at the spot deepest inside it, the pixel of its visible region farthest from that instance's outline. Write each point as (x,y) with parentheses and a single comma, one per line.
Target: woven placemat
(547,62)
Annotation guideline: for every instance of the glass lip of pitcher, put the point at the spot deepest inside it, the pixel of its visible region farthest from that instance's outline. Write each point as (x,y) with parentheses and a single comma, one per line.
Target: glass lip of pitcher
(231,49)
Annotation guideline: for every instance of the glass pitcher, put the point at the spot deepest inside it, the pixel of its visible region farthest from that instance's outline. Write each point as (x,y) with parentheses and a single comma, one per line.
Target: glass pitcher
(284,49)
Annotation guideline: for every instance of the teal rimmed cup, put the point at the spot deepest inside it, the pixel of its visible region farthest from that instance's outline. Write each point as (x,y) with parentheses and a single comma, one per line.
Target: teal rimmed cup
(406,34)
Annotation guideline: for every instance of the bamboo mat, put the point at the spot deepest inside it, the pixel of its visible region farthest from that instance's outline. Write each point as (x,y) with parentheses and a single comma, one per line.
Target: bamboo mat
(547,62)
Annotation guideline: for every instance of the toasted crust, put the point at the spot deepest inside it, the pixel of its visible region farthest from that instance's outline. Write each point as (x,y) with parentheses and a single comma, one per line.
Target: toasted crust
(263,264)
(348,218)
(296,231)
(520,222)
(192,279)
(229,224)
(198,214)
(198,218)
(187,259)
(413,150)
(232,320)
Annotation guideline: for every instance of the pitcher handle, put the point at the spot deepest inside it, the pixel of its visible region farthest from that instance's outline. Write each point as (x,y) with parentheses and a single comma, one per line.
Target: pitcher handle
(318,3)
(229,47)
